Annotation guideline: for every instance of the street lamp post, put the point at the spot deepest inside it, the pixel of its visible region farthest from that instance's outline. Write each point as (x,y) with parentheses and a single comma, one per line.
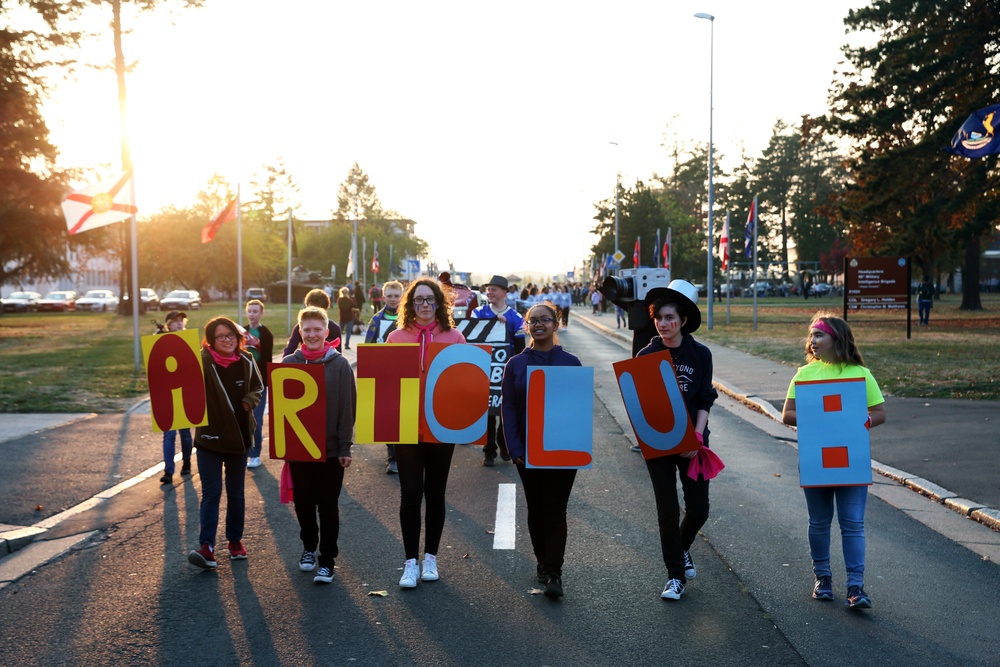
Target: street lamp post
(617,185)
(711,191)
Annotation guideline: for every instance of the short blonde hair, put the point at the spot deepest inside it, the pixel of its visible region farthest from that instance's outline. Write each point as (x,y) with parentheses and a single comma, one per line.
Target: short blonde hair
(314,313)
(392,284)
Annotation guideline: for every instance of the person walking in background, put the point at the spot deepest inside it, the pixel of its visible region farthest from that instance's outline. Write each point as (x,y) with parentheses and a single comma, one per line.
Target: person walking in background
(832,354)
(925,300)
(345,309)
(176,321)
(546,491)
(359,297)
(595,301)
(620,317)
(675,312)
(424,318)
(317,485)
(319,299)
(496,307)
(382,324)
(260,345)
(232,390)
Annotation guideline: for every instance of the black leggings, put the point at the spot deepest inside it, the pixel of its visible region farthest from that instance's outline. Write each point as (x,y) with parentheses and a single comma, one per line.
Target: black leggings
(316,489)
(677,536)
(547,494)
(423,476)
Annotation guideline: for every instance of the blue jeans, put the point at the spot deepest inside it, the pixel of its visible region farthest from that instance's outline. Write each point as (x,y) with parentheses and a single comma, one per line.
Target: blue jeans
(258,433)
(924,310)
(345,331)
(210,468)
(170,448)
(850,501)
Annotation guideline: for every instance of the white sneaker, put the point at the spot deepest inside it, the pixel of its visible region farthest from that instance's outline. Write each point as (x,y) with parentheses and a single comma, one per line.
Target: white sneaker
(254,462)
(411,572)
(673,590)
(430,572)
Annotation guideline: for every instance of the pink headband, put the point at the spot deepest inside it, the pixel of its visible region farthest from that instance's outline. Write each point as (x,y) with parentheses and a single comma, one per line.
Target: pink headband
(824,327)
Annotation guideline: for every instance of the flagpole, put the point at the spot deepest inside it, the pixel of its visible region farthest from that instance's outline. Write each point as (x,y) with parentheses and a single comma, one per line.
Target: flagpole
(389,272)
(364,261)
(729,270)
(239,258)
(136,297)
(289,321)
(756,224)
(656,251)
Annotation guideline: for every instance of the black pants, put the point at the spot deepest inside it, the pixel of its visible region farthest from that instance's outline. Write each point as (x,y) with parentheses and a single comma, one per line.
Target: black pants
(677,536)
(494,437)
(423,477)
(547,494)
(316,489)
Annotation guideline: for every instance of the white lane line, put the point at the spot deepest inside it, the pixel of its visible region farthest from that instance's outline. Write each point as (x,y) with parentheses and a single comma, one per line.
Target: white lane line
(503,527)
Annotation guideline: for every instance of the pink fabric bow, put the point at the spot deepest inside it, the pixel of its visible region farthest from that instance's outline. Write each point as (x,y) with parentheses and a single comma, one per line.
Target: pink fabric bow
(707,464)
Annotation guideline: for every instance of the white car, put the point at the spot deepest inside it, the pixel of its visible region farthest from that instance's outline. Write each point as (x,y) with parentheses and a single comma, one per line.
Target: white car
(98,300)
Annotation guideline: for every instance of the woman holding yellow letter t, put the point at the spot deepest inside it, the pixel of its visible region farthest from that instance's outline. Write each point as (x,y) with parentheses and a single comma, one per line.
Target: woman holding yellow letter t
(831,354)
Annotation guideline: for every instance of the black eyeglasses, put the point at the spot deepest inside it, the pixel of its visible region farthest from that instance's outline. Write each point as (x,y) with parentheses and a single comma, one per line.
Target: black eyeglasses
(226,337)
(429,301)
(540,320)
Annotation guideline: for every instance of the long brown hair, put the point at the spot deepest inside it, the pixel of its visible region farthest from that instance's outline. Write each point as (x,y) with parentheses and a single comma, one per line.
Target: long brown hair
(442,312)
(844,347)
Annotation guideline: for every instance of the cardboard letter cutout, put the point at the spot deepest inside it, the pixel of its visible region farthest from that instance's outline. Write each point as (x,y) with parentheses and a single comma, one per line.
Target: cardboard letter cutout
(560,419)
(176,380)
(298,411)
(834,445)
(456,394)
(388,393)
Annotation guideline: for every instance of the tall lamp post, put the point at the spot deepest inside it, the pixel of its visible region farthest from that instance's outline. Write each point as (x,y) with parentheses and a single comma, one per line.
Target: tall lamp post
(711,190)
(617,185)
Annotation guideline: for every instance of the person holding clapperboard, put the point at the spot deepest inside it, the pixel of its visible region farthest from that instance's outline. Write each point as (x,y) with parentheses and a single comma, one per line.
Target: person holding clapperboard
(424,318)
(546,491)
(675,312)
(316,485)
(830,399)
(496,294)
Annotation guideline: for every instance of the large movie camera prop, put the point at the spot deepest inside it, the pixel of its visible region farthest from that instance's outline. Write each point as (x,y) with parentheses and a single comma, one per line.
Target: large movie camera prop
(629,289)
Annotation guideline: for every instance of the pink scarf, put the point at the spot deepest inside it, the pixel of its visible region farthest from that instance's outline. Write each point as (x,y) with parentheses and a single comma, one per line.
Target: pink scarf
(318,354)
(426,337)
(225,362)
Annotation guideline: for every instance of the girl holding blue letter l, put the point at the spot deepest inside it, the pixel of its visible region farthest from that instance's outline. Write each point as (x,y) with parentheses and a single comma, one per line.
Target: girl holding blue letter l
(546,490)
(832,354)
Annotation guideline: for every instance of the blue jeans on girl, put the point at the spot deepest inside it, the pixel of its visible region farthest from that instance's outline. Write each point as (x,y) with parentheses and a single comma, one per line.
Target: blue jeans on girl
(850,502)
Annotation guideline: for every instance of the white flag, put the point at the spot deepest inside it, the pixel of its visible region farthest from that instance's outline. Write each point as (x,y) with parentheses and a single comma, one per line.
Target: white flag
(99,205)
(350,264)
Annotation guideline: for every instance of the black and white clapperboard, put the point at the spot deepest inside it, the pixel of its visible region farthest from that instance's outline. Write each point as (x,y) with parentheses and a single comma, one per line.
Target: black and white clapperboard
(491,332)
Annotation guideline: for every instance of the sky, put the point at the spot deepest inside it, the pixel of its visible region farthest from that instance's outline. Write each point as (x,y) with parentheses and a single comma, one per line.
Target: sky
(496,127)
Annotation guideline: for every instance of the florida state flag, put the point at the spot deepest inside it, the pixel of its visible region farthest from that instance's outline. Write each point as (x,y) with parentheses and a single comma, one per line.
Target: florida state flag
(98,205)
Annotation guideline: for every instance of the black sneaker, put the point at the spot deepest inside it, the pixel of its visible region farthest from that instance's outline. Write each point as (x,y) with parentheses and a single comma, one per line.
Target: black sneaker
(541,575)
(307,563)
(167,478)
(554,589)
(488,461)
(186,467)
(857,598)
(324,575)
(690,572)
(823,589)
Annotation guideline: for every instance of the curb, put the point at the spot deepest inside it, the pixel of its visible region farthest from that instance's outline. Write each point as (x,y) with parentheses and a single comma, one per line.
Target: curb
(979,512)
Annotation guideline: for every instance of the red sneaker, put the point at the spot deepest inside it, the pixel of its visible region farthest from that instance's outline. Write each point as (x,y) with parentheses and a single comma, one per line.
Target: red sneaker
(236,551)
(203,557)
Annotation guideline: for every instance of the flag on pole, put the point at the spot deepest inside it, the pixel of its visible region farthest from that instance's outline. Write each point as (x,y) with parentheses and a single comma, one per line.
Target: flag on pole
(751,223)
(976,137)
(350,264)
(375,264)
(98,205)
(635,254)
(209,231)
(666,250)
(724,244)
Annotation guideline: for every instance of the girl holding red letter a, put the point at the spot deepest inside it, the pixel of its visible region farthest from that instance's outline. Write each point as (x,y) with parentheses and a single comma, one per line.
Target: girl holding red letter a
(546,490)
(424,318)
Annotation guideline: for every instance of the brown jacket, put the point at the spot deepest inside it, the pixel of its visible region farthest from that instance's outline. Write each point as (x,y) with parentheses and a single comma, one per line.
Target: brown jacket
(222,434)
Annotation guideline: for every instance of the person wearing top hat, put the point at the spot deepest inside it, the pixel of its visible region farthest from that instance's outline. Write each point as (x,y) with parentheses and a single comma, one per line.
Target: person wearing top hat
(496,307)
(675,313)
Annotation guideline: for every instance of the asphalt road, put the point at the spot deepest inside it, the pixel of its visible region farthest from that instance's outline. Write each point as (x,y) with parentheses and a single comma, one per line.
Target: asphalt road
(127,596)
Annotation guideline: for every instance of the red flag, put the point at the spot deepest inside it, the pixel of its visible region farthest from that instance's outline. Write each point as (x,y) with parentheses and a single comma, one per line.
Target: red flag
(375,264)
(229,213)
(635,254)
(724,244)
(666,250)
(751,223)
(106,203)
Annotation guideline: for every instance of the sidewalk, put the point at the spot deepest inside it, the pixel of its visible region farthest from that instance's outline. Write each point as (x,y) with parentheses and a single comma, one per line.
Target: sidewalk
(946,450)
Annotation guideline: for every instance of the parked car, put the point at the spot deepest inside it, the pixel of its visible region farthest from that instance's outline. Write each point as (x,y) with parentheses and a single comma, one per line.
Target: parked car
(258,293)
(181,299)
(762,289)
(58,301)
(98,300)
(732,290)
(821,289)
(21,302)
(150,298)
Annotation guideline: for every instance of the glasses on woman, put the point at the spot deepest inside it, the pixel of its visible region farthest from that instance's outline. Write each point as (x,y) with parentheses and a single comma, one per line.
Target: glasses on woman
(226,336)
(429,301)
(540,320)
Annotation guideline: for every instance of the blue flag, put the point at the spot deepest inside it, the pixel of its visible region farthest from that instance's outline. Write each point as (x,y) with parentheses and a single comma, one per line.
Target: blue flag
(751,221)
(976,137)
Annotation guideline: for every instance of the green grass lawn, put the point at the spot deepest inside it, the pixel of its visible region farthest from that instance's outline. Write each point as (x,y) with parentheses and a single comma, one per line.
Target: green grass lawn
(83,362)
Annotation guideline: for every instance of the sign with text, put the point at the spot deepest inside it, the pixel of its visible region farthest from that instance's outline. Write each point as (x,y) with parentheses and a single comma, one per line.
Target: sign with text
(176,380)
(559,425)
(655,405)
(834,445)
(876,283)
(297,402)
